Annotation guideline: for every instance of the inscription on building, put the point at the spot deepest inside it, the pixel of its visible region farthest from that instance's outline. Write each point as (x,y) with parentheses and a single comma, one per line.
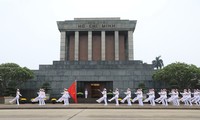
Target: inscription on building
(82,26)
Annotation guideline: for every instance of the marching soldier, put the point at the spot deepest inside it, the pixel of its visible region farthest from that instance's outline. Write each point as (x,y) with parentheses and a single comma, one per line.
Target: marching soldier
(17,97)
(139,97)
(151,97)
(104,97)
(128,97)
(184,97)
(188,97)
(38,98)
(176,98)
(163,97)
(116,93)
(195,97)
(43,97)
(65,97)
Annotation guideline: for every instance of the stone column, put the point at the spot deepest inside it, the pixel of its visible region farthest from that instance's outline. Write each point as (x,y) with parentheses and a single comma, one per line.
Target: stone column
(130,45)
(116,45)
(62,46)
(89,45)
(103,46)
(76,47)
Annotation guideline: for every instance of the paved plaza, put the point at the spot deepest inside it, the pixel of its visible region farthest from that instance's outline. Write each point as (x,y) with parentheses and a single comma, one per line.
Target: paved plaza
(94,106)
(99,114)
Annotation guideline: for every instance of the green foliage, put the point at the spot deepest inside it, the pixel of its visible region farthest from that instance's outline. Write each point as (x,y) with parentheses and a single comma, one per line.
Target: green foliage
(12,76)
(158,63)
(179,75)
(143,87)
(46,86)
(79,93)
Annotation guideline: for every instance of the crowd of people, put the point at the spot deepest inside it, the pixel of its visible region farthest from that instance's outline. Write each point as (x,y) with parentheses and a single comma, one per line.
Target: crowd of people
(187,97)
(174,97)
(42,97)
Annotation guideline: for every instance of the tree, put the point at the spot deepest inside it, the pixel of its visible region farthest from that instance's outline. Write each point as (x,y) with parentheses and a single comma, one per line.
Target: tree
(143,87)
(46,86)
(12,76)
(179,75)
(158,63)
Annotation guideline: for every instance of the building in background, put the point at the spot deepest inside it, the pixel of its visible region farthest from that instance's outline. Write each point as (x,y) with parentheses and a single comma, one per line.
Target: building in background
(98,53)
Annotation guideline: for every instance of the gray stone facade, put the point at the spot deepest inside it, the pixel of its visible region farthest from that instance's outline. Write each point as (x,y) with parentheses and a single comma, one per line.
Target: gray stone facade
(61,74)
(96,24)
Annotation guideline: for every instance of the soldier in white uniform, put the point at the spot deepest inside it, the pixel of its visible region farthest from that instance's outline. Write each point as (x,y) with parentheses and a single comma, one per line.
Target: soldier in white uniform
(86,93)
(128,97)
(65,97)
(116,93)
(195,98)
(171,98)
(176,97)
(104,97)
(159,99)
(62,97)
(43,96)
(188,97)
(151,97)
(139,97)
(198,97)
(163,97)
(184,97)
(16,97)
(38,98)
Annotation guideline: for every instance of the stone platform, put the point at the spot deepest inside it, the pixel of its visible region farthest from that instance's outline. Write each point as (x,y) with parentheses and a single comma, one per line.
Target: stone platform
(95,106)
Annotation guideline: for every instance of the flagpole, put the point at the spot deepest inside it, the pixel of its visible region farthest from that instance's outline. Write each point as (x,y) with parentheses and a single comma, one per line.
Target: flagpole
(76,91)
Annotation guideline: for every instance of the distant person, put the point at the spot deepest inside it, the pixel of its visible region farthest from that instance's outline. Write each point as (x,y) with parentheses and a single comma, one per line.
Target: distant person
(43,97)
(39,97)
(184,97)
(86,93)
(17,97)
(128,97)
(116,93)
(65,97)
(104,97)
(139,97)
(151,97)
(163,97)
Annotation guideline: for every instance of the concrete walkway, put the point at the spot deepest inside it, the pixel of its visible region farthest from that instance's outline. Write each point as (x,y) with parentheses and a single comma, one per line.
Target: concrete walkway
(99,114)
(94,106)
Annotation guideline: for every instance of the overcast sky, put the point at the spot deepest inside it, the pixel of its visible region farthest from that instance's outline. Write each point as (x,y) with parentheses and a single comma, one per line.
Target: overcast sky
(29,35)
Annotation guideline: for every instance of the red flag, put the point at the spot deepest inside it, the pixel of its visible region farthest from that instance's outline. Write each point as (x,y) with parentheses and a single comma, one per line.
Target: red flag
(72,91)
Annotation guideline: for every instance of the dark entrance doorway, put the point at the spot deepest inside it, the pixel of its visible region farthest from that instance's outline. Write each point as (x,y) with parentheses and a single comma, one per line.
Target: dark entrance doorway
(94,88)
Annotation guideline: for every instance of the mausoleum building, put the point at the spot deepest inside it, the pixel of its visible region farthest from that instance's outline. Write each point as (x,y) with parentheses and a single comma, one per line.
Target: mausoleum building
(98,53)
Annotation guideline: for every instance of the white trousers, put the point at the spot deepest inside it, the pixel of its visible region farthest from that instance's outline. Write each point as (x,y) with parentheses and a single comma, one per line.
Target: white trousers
(128,100)
(139,99)
(116,99)
(102,99)
(15,99)
(66,100)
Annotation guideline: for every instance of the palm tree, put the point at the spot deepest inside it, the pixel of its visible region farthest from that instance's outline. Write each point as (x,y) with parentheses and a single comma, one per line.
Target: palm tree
(158,63)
